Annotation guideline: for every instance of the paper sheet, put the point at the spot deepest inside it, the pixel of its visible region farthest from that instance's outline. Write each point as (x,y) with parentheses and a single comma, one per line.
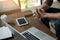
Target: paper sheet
(5,32)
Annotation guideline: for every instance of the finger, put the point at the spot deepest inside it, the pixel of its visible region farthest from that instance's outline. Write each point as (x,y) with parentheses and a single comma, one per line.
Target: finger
(38,12)
(42,10)
(34,14)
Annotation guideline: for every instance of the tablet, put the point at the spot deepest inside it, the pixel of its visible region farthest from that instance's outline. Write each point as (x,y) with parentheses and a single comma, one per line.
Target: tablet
(21,21)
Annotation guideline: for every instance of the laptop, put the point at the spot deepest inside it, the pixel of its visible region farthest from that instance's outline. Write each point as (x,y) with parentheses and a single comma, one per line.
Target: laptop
(36,34)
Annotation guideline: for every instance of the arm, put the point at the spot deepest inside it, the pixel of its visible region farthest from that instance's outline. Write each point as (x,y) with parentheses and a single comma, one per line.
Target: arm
(46,4)
(43,14)
(52,15)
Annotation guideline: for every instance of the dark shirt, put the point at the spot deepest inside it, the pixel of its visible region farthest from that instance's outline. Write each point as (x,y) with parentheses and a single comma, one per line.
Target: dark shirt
(58,1)
(50,2)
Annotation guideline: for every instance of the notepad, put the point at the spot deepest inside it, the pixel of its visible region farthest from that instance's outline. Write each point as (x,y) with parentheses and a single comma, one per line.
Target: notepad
(5,32)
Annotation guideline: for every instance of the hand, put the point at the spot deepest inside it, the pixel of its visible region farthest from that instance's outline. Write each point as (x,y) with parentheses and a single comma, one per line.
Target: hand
(39,13)
(36,14)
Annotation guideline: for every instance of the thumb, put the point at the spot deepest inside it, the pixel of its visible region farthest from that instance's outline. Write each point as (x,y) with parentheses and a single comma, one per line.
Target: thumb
(41,10)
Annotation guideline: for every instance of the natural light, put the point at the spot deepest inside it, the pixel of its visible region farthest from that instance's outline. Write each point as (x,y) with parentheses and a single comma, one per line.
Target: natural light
(29,3)
(24,4)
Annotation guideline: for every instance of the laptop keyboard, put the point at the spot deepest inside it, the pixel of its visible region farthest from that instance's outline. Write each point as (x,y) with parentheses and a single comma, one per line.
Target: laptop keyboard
(29,36)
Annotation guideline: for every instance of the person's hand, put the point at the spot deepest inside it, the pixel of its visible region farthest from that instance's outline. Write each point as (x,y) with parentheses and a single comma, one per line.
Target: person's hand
(39,13)
(36,15)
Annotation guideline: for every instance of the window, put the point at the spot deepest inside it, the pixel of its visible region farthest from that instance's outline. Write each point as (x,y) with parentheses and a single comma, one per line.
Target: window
(29,3)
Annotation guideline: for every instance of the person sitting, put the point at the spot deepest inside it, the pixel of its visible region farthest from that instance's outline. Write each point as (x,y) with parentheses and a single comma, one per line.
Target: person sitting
(47,13)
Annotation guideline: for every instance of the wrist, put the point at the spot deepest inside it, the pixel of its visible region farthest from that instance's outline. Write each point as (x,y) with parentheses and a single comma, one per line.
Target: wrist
(46,15)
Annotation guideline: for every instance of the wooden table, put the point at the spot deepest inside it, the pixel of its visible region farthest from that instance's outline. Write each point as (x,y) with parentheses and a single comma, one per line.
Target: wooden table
(32,22)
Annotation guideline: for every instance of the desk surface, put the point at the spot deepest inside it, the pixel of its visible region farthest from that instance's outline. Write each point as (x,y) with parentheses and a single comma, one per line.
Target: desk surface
(31,20)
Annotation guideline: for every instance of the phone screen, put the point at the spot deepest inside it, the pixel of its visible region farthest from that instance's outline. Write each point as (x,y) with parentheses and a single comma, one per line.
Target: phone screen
(21,21)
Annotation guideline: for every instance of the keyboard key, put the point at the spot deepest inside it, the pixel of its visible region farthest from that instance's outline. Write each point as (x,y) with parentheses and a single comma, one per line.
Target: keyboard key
(29,36)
